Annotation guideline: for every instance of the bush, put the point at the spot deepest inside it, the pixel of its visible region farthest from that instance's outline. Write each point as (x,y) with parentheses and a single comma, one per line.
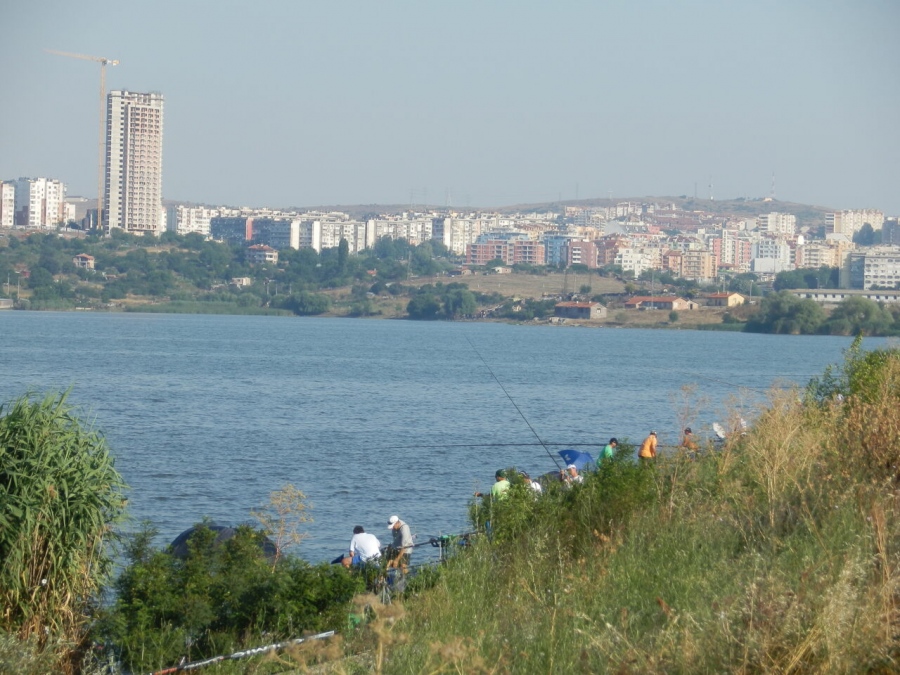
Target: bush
(220,598)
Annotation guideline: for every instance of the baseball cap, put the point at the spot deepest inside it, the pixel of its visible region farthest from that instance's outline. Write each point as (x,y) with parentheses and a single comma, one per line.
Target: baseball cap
(392,520)
(571,466)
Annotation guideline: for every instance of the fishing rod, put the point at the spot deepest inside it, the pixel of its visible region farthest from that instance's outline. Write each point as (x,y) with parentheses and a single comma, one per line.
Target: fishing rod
(497,380)
(480,445)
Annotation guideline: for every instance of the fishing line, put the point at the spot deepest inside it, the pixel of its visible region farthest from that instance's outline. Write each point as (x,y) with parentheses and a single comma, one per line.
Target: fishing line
(496,379)
(712,379)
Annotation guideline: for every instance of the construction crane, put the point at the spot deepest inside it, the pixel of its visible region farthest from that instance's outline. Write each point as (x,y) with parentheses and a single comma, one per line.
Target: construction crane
(100,154)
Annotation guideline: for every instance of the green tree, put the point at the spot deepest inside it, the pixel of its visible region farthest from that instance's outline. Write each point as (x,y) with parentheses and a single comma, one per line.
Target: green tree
(858,316)
(865,236)
(424,307)
(343,253)
(459,302)
(785,313)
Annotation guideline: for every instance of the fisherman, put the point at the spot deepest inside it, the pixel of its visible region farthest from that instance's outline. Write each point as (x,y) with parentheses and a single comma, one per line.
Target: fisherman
(609,452)
(648,448)
(364,547)
(402,545)
(500,486)
(688,442)
(532,484)
(571,476)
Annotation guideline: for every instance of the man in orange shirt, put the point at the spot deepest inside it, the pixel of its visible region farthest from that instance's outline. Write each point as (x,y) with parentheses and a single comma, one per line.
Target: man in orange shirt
(648,448)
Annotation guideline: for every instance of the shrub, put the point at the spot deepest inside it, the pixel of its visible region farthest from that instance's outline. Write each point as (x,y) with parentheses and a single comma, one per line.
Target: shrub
(220,598)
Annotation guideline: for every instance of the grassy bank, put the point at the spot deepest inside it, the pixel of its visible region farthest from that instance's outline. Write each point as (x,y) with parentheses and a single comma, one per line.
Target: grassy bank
(778,552)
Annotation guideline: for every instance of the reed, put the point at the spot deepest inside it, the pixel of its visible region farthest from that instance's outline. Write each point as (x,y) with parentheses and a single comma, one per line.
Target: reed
(60,494)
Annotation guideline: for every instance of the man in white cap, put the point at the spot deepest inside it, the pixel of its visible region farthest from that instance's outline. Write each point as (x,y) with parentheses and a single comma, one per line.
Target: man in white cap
(402,545)
(572,476)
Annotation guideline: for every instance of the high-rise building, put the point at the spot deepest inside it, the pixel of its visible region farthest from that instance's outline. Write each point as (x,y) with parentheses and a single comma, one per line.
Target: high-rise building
(134,132)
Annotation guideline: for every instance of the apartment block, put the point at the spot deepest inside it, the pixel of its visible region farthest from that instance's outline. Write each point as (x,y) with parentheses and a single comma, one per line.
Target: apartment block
(278,233)
(699,266)
(7,205)
(510,251)
(581,253)
(134,134)
(186,219)
(457,233)
(851,221)
(815,254)
(39,203)
(777,223)
(231,229)
(874,268)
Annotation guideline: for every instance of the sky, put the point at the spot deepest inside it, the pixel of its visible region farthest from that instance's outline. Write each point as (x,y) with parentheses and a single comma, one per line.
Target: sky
(289,103)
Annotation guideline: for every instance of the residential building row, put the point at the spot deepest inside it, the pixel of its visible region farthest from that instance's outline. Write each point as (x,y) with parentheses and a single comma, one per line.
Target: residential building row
(33,203)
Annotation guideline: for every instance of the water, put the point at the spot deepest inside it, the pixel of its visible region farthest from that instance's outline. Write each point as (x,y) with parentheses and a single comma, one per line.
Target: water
(207,415)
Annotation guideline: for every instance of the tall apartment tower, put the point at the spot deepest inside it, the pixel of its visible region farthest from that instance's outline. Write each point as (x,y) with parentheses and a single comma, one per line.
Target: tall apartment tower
(134,132)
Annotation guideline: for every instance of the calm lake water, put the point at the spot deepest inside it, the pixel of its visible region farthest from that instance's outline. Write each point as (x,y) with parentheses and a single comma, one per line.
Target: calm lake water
(207,415)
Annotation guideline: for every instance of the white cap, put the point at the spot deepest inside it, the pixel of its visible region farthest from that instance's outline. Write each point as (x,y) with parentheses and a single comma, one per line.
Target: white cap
(392,521)
(571,466)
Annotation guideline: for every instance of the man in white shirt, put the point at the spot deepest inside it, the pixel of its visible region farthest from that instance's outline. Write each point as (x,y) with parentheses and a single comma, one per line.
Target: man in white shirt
(364,547)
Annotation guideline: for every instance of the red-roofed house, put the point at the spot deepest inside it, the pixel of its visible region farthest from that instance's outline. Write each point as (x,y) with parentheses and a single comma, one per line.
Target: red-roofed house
(260,253)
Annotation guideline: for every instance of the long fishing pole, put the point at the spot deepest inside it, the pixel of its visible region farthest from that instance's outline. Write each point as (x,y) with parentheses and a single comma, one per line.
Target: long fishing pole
(497,380)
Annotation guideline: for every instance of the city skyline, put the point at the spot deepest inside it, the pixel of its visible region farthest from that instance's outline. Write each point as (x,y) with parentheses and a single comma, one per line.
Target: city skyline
(474,106)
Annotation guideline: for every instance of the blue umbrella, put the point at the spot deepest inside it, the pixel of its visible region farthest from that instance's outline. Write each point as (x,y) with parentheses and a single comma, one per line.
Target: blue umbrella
(582,460)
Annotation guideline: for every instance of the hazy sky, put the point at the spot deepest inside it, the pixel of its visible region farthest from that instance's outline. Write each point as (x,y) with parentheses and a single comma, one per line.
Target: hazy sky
(292,103)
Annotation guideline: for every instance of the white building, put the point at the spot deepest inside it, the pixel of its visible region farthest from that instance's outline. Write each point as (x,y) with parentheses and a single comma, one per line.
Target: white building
(815,254)
(634,260)
(39,203)
(771,256)
(850,222)
(777,223)
(134,133)
(7,205)
(457,233)
(311,235)
(186,219)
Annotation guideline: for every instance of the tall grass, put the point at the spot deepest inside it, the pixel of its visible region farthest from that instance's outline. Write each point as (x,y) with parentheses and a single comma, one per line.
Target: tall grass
(778,553)
(60,493)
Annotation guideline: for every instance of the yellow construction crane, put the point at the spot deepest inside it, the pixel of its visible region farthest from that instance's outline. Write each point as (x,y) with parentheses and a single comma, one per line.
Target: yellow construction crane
(100,153)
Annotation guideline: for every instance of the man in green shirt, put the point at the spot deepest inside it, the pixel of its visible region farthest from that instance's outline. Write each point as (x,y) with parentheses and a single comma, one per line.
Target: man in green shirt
(499,488)
(610,450)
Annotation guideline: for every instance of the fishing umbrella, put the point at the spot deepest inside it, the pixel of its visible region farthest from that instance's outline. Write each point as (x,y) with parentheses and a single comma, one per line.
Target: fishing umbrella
(579,458)
(179,546)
